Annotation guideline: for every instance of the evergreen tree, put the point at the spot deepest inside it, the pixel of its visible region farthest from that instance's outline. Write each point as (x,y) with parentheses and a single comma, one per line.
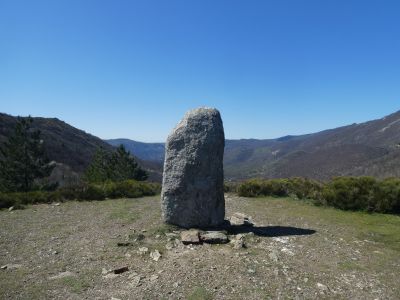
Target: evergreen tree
(23,158)
(99,169)
(118,166)
(124,166)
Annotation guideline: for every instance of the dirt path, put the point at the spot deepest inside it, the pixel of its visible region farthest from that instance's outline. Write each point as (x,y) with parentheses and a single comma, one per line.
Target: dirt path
(307,252)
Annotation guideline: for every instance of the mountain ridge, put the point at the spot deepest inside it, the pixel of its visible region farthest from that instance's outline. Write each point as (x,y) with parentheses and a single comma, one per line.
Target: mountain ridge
(71,148)
(368,148)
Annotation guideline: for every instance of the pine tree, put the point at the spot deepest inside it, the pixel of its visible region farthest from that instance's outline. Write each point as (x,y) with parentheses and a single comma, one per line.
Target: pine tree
(23,158)
(118,166)
(124,166)
(99,168)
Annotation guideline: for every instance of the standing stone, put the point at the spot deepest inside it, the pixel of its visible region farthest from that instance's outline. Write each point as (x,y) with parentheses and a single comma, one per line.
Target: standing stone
(193,181)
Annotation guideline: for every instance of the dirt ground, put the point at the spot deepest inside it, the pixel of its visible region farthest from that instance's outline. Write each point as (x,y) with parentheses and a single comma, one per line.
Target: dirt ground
(295,251)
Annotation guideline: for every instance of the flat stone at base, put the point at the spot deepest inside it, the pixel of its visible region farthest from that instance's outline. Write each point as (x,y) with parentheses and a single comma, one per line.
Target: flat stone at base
(239,219)
(190,237)
(214,237)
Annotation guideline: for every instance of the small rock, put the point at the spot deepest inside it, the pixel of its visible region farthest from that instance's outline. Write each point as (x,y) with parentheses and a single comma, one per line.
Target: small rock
(11,208)
(239,219)
(128,255)
(56,204)
(153,277)
(136,280)
(11,267)
(238,244)
(322,287)
(158,236)
(110,276)
(178,243)
(171,235)
(62,275)
(283,240)
(113,298)
(176,284)
(155,255)
(214,237)
(169,246)
(132,275)
(251,271)
(105,271)
(143,250)
(190,237)
(273,255)
(238,241)
(287,251)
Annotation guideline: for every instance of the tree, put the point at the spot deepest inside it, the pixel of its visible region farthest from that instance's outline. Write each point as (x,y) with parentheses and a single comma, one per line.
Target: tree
(124,166)
(118,166)
(99,168)
(23,158)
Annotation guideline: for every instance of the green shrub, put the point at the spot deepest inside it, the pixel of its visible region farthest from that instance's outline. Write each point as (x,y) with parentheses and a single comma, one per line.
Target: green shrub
(7,200)
(298,187)
(304,188)
(230,187)
(127,189)
(351,193)
(250,188)
(387,196)
(91,192)
(130,189)
(346,193)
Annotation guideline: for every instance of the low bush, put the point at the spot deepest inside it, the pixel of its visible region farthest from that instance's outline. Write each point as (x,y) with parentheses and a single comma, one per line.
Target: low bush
(364,193)
(85,192)
(230,187)
(130,189)
(299,187)
(91,192)
(388,196)
(346,193)
(351,193)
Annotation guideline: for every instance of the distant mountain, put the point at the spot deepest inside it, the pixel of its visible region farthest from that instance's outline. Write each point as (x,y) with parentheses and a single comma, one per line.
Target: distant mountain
(70,147)
(370,148)
(146,151)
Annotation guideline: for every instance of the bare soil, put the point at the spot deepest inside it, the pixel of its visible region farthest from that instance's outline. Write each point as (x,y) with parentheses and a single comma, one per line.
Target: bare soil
(295,251)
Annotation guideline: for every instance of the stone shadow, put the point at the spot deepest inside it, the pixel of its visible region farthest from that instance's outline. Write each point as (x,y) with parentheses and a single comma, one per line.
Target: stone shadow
(269,231)
(266,231)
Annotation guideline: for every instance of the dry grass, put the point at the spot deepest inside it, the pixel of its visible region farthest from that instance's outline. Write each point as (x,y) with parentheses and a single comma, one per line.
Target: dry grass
(355,255)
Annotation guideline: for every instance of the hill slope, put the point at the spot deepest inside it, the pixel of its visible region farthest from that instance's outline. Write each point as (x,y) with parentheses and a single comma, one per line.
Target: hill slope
(370,148)
(67,145)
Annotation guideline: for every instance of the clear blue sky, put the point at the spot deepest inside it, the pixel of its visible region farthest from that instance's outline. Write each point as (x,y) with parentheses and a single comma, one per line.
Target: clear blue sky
(132,68)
